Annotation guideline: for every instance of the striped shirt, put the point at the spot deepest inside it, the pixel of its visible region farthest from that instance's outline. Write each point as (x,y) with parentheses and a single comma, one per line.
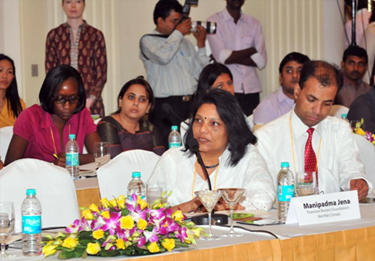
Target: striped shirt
(172,64)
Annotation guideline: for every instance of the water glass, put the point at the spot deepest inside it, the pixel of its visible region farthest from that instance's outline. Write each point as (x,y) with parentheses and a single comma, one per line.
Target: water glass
(305,183)
(102,153)
(6,224)
(154,190)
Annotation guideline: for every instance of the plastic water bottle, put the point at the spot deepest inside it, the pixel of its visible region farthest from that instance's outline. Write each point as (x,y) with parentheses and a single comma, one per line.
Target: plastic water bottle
(285,190)
(136,186)
(31,224)
(72,157)
(344,116)
(174,138)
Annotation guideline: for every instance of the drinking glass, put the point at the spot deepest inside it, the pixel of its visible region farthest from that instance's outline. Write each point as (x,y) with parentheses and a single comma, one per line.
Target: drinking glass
(209,198)
(154,190)
(102,153)
(231,196)
(6,224)
(305,183)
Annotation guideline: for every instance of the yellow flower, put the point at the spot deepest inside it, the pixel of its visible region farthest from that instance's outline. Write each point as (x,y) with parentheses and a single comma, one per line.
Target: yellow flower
(104,202)
(142,203)
(178,216)
(168,244)
(153,247)
(106,215)
(121,201)
(70,243)
(49,250)
(94,208)
(87,214)
(98,234)
(120,244)
(113,202)
(196,231)
(359,131)
(142,224)
(126,222)
(93,248)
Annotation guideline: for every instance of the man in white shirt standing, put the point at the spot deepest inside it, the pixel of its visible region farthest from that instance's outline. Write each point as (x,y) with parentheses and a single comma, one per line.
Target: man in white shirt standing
(308,135)
(282,101)
(172,64)
(239,44)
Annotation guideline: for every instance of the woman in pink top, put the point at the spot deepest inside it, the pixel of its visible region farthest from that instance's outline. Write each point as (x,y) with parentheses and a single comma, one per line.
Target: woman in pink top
(41,132)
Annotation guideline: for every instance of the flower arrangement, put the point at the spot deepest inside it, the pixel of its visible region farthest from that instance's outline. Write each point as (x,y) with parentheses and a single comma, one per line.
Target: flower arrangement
(357,129)
(123,227)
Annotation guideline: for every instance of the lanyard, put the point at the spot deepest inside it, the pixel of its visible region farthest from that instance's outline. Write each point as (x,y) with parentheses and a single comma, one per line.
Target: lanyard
(294,158)
(53,139)
(195,174)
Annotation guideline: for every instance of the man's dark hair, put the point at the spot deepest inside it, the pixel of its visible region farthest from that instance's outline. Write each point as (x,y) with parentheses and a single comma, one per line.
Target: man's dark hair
(360,3)
(327,74)
(230,112)
(293,56)
(163,9)
(52,84)
(355,50)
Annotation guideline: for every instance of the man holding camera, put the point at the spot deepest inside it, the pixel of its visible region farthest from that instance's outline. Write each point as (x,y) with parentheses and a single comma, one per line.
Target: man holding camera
(172,64)
(239,44)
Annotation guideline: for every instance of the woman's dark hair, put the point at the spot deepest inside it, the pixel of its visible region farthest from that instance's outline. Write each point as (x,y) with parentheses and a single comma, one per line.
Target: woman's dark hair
(230,112)
(52,84)
(141,81)
(11,94)
(208,76)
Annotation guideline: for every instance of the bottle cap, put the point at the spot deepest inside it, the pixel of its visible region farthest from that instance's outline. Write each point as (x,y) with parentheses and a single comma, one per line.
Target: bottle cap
(30,192)
(72,136)
(285,164)
(174,127)
(136,174)
(344,116)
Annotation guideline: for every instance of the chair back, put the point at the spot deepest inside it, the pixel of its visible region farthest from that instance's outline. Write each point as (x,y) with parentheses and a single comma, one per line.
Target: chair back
(6,134)
(114,177)
(337,110)
(250,121)
(367,155)
(54,189)
(183,129)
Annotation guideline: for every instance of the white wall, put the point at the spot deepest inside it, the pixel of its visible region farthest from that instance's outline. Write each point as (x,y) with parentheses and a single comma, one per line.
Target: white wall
(309,26)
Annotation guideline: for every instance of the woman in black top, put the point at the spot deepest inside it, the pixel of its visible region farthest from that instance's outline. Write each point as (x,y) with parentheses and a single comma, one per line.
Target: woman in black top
(126,129)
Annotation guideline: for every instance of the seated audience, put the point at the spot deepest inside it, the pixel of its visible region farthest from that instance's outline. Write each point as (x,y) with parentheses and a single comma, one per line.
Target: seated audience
(215,75)
(312,141)
(363,107)
(11,105)
(41,132)
(282,101)
(230,157)
(126,129)
(353,68)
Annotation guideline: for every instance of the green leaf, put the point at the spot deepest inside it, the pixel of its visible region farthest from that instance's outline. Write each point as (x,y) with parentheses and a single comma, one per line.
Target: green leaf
(76,253)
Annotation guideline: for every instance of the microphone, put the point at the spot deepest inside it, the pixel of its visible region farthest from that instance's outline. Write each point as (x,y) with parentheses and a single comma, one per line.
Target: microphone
(168,109)
(194,147)
(220,219)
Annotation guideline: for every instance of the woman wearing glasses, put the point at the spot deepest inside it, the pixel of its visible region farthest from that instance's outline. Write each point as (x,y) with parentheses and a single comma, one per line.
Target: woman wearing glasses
(41,132)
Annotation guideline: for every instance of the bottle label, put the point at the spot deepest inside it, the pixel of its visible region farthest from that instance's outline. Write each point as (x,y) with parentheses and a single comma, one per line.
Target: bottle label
(142,197)
(32,224)
(174,144)
(285,193)
(72,159)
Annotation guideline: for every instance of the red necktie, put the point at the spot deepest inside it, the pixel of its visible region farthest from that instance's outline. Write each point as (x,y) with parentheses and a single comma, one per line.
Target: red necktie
(310,158)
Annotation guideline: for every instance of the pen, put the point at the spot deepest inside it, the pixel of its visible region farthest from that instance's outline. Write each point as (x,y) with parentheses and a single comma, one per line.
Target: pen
(56,157)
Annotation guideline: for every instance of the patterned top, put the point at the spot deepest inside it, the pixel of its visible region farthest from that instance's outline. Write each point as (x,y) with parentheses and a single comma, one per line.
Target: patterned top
(92,58)
(147,138)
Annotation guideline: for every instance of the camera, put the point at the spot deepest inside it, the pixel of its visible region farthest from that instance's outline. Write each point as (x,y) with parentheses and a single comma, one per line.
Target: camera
(210,26)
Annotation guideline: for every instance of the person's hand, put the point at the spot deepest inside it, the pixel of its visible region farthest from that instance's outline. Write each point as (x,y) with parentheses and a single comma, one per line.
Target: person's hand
(184,27)
(221,205)
(1,164)
(60,161)
(361,186)
(200,35)
(89,103)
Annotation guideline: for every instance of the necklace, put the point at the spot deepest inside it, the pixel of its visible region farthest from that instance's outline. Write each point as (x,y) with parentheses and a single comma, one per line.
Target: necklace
(212,166)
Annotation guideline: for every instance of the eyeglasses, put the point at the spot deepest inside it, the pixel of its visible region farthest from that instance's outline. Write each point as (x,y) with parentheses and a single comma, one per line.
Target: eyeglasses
(63,99)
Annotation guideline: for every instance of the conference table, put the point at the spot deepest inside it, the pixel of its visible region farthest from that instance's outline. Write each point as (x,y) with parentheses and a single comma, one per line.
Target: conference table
(345,240)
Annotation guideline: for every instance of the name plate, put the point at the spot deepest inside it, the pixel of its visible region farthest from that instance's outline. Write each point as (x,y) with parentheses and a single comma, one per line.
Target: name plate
(324,208)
